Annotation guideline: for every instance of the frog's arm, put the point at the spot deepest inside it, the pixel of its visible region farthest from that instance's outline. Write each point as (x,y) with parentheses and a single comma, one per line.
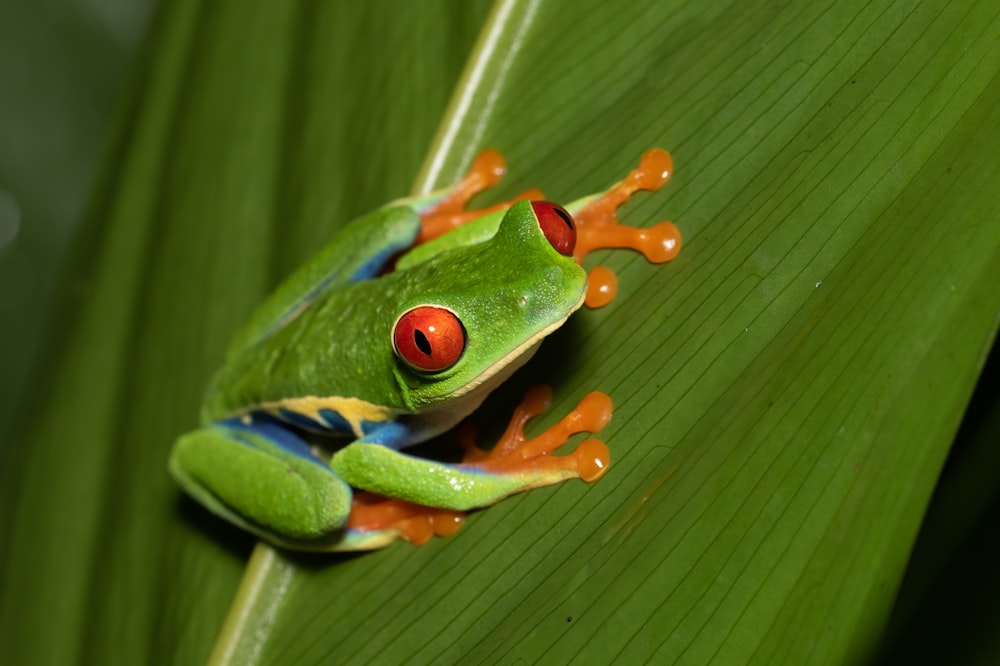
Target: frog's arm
(514,464)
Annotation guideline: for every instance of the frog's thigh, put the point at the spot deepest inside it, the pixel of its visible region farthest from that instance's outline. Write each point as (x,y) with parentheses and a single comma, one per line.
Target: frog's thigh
(381,470)
(263,478)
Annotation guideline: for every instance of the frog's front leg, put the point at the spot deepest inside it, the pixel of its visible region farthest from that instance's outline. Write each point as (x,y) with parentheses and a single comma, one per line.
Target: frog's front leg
(444,210)
(257,474)
(514,465)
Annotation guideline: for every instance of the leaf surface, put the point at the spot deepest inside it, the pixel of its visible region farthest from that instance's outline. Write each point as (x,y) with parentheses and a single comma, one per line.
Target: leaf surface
(786,390)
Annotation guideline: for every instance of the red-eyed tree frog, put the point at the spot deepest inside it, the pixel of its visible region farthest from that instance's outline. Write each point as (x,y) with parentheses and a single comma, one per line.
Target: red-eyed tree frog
(388,342)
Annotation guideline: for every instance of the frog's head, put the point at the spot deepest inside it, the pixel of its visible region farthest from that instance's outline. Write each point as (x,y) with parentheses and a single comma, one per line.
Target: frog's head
(482,310)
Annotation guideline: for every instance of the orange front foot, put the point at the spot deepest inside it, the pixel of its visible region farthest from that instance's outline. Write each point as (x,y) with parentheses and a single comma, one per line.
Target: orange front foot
(485,172)
(515,454)
(514,465)
(598,226)
(597,221)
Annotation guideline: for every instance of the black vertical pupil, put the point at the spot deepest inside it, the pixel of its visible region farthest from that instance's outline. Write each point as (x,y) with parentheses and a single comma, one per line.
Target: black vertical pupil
(423,344)
(564,215)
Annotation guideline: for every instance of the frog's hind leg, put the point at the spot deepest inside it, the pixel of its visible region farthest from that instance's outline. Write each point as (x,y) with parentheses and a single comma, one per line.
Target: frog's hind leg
(259,475)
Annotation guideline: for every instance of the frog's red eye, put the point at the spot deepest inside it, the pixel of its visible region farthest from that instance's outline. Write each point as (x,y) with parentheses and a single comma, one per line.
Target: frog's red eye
(429,338)
(557,225)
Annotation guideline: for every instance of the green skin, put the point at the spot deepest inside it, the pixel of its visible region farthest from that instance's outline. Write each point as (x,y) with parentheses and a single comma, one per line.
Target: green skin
(323,341)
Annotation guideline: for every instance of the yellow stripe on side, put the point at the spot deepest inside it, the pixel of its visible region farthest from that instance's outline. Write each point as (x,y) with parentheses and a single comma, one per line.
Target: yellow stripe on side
(353,410)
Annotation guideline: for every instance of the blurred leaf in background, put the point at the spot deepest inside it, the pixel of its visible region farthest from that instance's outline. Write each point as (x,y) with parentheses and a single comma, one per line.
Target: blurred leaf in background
(341,100)
(786,390)
(62,65)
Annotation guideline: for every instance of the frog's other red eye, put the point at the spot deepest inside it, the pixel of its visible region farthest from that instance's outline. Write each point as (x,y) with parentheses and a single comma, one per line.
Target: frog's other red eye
(429,338)
(557,225)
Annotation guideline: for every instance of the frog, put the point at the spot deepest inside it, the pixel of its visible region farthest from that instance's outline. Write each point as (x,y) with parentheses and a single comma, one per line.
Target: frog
(393,333)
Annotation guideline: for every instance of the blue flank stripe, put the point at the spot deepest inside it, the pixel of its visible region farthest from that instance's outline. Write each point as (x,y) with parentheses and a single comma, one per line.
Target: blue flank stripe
(271,428)
(334,421)
(378,260)
(393,434)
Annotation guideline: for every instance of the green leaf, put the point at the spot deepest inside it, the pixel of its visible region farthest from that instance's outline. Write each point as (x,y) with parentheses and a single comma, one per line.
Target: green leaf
(59,72)
(786,390)
(247,131)
(947,607)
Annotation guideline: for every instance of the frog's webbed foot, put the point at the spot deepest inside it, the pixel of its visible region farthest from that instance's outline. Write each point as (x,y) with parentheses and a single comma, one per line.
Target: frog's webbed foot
(597,221)
(377,521)
(260,476)
(531,460)
(598,226)
(447,209)
(427,495)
